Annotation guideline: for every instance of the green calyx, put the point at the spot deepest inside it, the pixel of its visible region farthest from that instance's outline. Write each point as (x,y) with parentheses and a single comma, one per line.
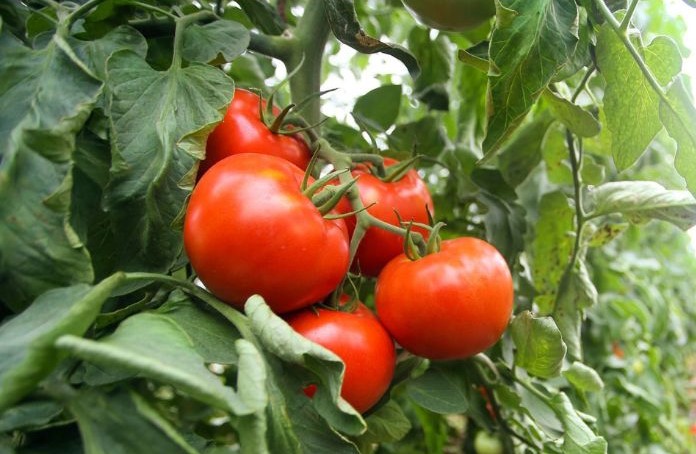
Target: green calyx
(398,171)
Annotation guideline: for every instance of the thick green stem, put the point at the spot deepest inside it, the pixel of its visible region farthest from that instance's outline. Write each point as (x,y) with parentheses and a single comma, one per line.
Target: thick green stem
(278,47)
(629,14)
(575,157)
(307,49)
(181,25)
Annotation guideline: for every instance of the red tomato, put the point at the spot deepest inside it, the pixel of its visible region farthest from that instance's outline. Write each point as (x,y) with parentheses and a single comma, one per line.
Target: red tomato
(250,230)
(451,304)
(408,196)
(361,342)
(242,131)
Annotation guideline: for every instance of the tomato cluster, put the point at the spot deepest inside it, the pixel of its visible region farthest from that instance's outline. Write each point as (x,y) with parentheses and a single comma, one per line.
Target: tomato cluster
(253,227)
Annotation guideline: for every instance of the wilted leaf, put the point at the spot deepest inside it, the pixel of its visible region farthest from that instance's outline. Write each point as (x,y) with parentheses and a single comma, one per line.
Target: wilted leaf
(583,377)
(630,103)
(345,26)
(552,246)
(680,126)
(540,347)
(643,200)
(575,294)
(282,341)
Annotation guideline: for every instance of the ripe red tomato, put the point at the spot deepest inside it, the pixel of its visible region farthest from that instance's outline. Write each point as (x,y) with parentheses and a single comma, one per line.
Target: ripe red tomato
(407,196)
(361,342)
(451,304)
(250,230)
(453,15)
(242,131)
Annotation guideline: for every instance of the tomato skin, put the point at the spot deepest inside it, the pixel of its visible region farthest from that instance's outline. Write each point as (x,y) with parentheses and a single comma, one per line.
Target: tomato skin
(242,131)
(408,196)
(359,339)
(451,304)
(250,230)
(451,15)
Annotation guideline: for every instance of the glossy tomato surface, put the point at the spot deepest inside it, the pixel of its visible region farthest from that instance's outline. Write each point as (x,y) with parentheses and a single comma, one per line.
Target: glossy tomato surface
(242,131)
(361,342)
(250,230)
(451,15)
(451,304)
(407,196)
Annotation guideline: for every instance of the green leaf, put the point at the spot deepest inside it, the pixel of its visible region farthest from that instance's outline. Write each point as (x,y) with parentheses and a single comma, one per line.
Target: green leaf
(263,15)
(96,53)
(29,415)
(583,377)
(434,57)
(152,345)
(540,347)
(278,338)
(555,153)
(522,153)
(123,422)
(531,42)
(211,335)
(378,108)
(424,136)
(45,98)
(387,424)
(27,353)
(575,294)
(630,103)
(679,125)
(440,390)
(643,200)
(203,43)
(152,117)
(552,247)
(574,117)
(345,26)
(504,217)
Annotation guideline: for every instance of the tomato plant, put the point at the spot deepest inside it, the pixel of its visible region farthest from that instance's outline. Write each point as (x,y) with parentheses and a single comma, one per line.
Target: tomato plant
(111,216)
(360,341)
(451,14)
(451,304)
(404,199)
(249,229)
(243,131)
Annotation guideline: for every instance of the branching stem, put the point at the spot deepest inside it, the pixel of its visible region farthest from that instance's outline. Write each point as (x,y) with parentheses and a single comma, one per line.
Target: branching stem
(647,73)
(575,157)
